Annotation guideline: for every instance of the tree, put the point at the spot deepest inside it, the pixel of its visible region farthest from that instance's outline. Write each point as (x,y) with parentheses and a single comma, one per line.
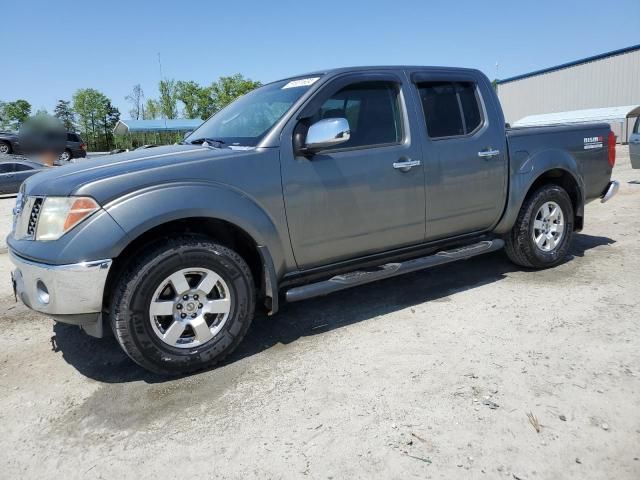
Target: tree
(110,116)
(64,113)
(14,114)
(136,99)
(193,97)
(152,109)
(168,100)
(227,89)
(91,107)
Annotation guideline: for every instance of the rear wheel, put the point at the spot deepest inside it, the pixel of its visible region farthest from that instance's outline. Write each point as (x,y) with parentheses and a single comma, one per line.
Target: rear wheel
(183,306)
(542,234)
(5,148)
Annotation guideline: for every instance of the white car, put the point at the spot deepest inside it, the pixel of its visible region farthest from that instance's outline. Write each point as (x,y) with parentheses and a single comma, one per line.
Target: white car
(634,145)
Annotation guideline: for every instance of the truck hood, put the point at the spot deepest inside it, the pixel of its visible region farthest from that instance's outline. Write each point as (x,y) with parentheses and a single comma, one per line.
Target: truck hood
(140,167)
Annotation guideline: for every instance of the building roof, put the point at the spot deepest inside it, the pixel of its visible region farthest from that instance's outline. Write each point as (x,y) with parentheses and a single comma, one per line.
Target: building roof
(162,125)
(608,114)
(613,53)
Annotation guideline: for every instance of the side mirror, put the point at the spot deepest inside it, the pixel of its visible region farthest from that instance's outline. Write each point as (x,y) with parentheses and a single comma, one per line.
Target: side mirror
(327,133)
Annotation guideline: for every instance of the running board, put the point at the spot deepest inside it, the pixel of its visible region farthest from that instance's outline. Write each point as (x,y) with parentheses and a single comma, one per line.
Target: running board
(388,270)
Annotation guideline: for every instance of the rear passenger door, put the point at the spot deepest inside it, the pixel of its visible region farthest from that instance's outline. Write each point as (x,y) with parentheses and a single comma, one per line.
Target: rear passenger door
(464,154)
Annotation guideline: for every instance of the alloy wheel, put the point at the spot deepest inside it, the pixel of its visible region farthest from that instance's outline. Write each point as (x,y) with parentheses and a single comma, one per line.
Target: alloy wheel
(190,307)
(548,226)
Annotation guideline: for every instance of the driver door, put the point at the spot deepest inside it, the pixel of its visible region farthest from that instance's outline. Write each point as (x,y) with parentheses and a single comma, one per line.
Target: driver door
(355,198)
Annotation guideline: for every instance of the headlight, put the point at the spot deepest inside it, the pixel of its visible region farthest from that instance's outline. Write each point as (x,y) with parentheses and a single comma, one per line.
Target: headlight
(61,214)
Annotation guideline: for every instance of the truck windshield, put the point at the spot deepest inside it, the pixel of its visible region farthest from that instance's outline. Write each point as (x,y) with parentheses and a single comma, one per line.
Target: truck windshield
(247,120)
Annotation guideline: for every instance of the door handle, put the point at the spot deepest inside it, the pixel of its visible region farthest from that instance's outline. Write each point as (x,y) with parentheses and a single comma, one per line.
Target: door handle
(489,153)
(406,165)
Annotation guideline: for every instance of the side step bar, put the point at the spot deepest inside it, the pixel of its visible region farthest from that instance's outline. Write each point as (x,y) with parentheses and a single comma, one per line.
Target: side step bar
(388,270)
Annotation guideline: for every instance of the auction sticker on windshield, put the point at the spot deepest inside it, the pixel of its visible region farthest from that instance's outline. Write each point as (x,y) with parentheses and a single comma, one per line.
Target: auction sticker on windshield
(303,82)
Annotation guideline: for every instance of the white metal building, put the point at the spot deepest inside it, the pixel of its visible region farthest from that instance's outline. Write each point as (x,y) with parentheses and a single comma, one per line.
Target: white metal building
(603,81)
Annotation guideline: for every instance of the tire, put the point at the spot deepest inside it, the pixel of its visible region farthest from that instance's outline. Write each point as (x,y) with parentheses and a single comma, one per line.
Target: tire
(149,339)
(5,148)
(520,244)
(66,156)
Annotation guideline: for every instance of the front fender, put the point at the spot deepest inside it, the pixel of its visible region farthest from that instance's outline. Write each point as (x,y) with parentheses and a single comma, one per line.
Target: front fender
(145,209)
(526,170)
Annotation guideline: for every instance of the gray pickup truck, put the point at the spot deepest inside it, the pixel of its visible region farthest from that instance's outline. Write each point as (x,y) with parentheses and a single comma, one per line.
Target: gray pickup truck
(303,187)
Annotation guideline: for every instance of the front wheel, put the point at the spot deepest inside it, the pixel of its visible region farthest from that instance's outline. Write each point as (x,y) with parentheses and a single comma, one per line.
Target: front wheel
(65,156)
(183,306)
(541,235)
(5,148)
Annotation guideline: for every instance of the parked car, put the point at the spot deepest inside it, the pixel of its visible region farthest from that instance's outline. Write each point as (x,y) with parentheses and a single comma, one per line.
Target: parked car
(634,145)
(14,171)
(303,187)
(9,143)
(74,147)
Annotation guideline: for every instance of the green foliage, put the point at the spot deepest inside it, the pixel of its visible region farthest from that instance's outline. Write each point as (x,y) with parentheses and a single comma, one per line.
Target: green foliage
(14,114)
(152,110)
(96,117)
(194,98)
(227,89)
(64,113)
(92,113)
(168,99)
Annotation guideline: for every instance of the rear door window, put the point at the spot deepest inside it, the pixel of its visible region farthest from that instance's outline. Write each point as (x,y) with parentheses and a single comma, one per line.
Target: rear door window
(470,107)
(6,167)
(450,109)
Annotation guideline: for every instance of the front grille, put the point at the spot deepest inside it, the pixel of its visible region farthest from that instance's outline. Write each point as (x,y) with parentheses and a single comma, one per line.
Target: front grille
(33,217)
(25,217)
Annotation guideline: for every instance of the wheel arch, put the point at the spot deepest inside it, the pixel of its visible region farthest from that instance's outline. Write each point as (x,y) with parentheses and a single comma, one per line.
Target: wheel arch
(258,257)
(222,215)
(559,169)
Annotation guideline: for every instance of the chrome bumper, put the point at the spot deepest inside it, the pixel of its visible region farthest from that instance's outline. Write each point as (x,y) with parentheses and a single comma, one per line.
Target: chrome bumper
(610,191)
(60,290)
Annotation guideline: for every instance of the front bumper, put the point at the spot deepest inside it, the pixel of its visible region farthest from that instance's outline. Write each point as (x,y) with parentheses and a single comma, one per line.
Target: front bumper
(72,292)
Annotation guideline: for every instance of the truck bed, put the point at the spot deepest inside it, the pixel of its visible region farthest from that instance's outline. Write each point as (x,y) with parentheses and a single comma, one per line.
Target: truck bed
(584,145)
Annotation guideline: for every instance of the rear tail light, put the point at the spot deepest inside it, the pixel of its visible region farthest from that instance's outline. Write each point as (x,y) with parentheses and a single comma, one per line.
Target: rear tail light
(83,147)
(611,143)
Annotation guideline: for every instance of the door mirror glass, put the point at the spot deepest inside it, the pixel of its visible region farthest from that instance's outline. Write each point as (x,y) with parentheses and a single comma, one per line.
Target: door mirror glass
(327,133)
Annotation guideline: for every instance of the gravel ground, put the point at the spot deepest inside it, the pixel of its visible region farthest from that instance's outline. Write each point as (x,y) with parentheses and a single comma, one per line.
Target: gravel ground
(447,373)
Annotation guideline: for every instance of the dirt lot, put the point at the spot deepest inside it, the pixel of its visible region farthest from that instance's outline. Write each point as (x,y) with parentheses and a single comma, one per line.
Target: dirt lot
(429,376)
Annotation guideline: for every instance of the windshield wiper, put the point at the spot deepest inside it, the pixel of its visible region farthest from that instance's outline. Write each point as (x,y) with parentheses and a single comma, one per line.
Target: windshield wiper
(212,142)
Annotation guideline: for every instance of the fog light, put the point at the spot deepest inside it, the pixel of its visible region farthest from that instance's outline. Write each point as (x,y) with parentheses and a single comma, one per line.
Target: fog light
(43,293)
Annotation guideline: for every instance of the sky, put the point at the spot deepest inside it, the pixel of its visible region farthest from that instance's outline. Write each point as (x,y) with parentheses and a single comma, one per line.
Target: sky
(52,48)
